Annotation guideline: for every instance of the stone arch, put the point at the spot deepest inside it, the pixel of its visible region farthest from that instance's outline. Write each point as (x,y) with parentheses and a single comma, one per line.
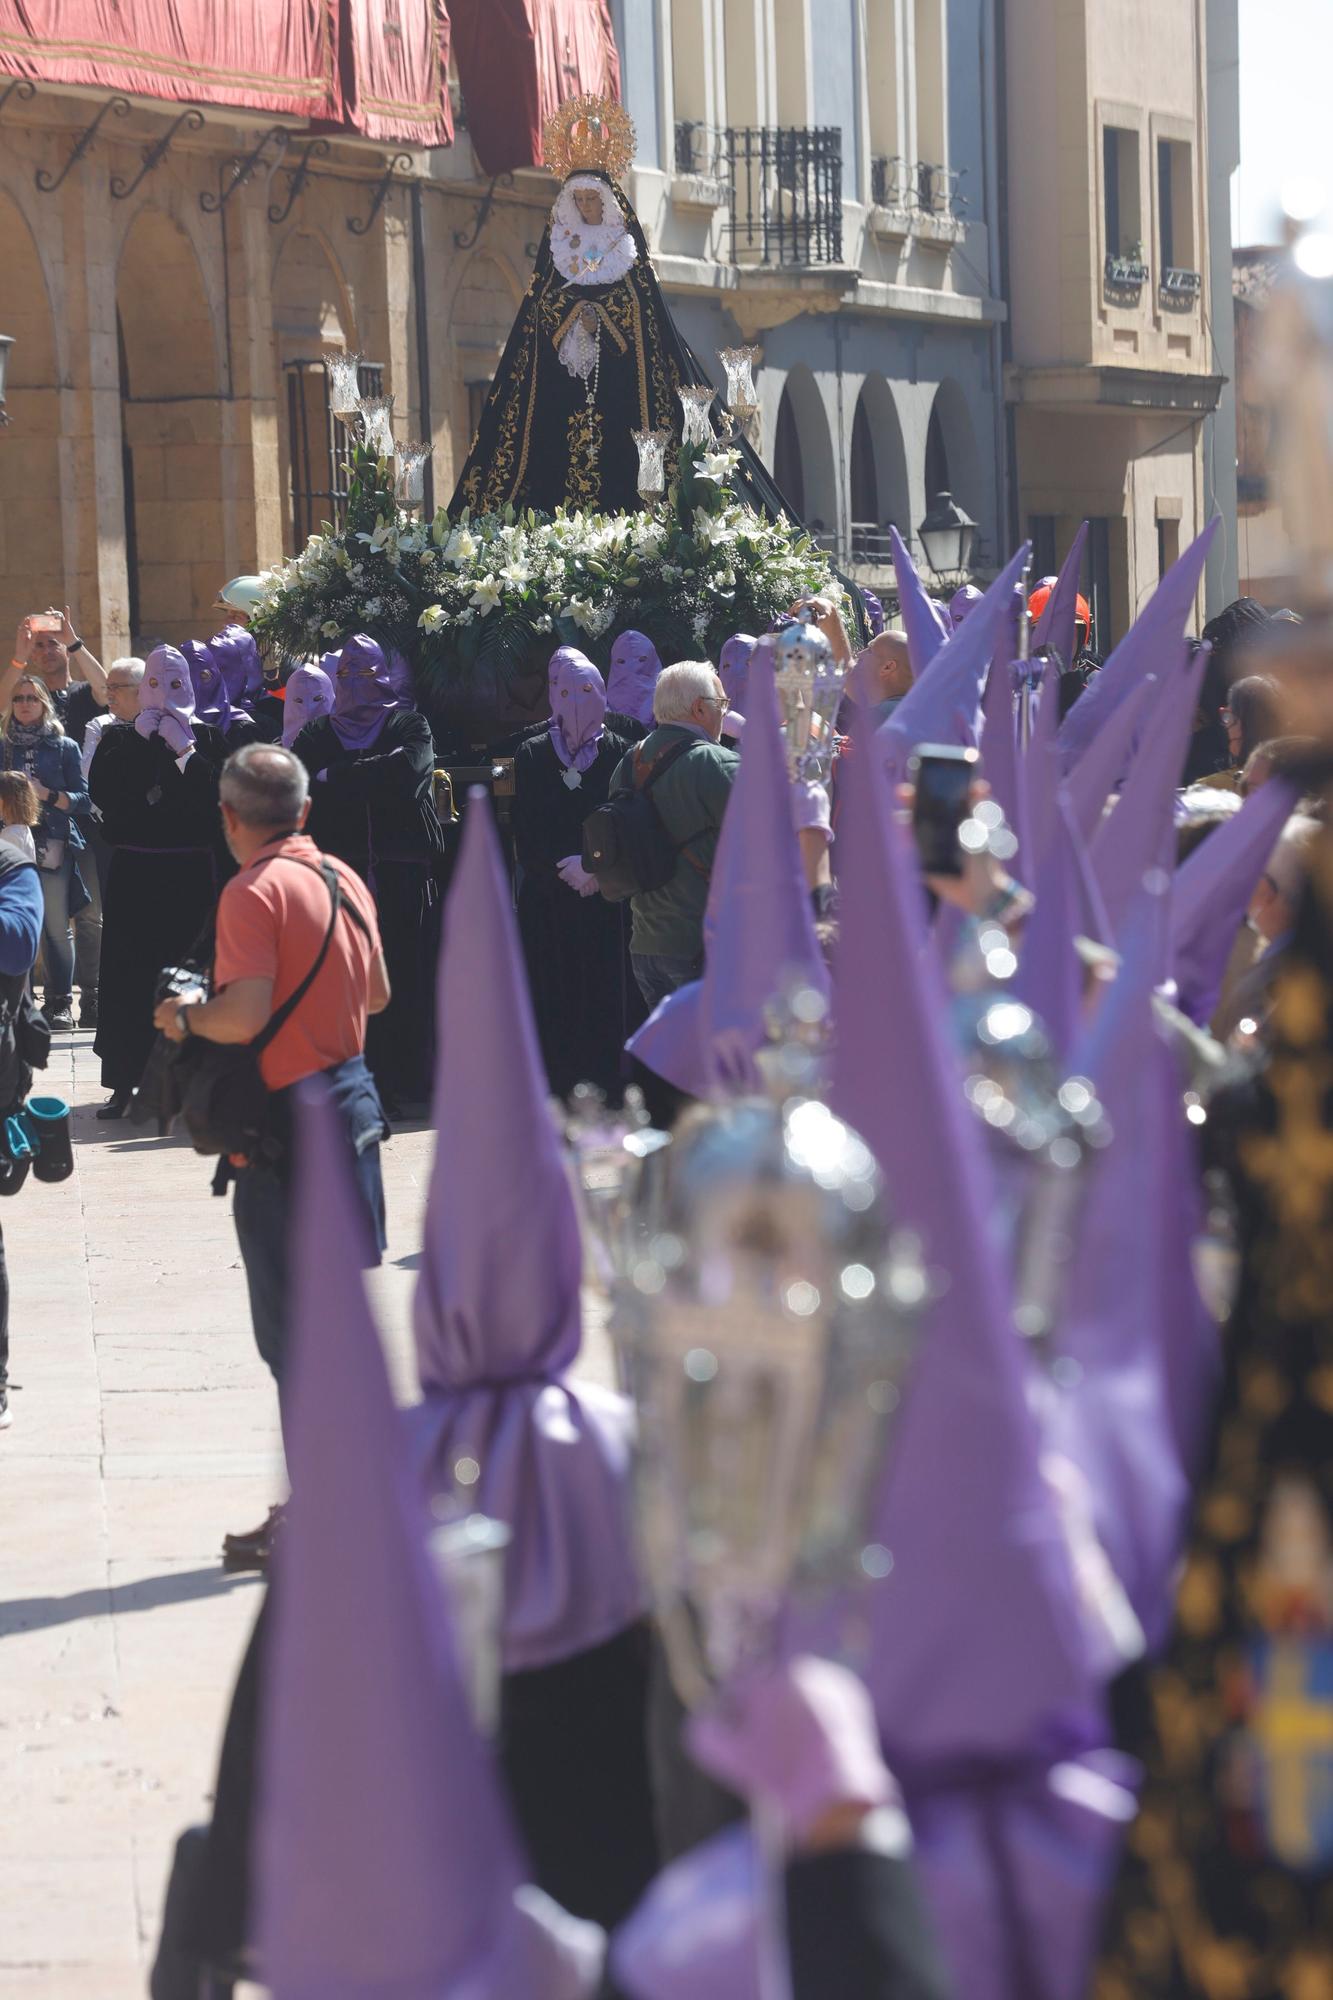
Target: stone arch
(951,450)
(803,462)
(171,426)
(32,565)
(312,312)
(880,491)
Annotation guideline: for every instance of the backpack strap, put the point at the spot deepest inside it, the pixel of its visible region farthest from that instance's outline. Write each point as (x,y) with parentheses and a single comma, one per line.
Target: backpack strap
(648,771)
(646,776)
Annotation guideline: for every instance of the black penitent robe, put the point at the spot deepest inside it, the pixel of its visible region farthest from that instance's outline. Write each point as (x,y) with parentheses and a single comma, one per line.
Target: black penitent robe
(540,443)
(374,810)
(168,862)
(576,947)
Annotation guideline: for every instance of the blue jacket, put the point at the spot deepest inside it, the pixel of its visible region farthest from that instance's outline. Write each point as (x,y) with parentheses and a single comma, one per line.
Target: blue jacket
(20,918)
(56,764)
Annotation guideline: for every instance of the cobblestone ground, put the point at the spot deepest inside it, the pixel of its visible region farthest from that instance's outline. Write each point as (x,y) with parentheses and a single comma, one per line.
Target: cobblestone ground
(145,1426)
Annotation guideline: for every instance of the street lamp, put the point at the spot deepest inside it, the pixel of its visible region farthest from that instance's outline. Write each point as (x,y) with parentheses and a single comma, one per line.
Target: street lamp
(947,535)
(6,342)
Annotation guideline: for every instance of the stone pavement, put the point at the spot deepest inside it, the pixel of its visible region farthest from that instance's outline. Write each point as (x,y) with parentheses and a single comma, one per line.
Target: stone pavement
(144,1427)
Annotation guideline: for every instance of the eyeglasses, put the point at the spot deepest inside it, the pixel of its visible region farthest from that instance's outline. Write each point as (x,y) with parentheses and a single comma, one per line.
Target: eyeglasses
(716,701)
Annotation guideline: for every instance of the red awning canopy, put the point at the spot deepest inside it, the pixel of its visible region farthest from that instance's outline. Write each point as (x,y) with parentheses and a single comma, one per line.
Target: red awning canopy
(378,67)
(518,59)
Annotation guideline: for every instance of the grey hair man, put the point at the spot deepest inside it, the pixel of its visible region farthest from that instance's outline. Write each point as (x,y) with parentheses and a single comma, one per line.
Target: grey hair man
(691,774)
(288,913)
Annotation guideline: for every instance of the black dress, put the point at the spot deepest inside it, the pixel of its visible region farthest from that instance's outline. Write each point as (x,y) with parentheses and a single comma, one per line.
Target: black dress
(576,947)
(168,862)
(374,810)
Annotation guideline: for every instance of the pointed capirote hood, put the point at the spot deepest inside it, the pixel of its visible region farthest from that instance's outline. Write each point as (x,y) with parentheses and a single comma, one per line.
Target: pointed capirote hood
(1212,892)
(759,931)
(385,1861)
(1140,833)
(1049,979)
(497,1313)
(998,1664)
(923,620)
(1099,771)
(498,1289)
(1140,1365)
(1059,615)
(1001,760)
(1149,646)
(943,703)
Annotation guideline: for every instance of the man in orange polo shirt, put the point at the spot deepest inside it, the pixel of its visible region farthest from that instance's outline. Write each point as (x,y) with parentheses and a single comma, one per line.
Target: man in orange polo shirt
(272,921)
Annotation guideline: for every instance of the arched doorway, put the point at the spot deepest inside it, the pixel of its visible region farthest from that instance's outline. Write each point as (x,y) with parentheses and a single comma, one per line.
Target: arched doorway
(803,464)
(480,317)
(32,566)
(311,314)
(878,473)
(171,417)
(953,464)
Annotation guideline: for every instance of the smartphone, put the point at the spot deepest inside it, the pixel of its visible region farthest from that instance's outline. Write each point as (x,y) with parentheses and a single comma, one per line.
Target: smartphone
(943,775)
(45,621)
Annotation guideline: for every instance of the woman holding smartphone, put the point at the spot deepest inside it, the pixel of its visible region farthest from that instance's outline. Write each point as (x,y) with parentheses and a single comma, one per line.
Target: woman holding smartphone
(35,743)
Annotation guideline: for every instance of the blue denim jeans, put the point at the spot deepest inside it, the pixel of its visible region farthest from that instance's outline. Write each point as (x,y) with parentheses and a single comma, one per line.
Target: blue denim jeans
(261,1205)
(57,952)
(657,973)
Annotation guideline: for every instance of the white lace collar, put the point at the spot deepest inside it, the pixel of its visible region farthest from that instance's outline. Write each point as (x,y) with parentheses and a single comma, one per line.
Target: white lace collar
(585,253)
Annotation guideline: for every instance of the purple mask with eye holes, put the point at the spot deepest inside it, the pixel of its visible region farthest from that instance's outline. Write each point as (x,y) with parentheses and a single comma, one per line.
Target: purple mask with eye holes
(211,703)
(166,685)
(733,667)
(309,695)
(635,666)
(236,653)
(578,704)
(362,693)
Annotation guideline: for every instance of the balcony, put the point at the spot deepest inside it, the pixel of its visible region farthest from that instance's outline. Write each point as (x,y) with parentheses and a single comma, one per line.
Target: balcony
(785,195)
(1125,278)
(1179,290)
(916,186)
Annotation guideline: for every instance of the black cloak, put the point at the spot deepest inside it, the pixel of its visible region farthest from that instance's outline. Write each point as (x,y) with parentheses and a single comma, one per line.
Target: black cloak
(540,444)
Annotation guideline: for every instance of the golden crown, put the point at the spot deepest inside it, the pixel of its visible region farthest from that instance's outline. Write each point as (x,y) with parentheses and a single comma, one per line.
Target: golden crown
(589,134)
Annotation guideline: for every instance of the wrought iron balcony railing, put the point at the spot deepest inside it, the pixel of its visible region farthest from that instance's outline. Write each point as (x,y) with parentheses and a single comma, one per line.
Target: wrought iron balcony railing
(916,185)
(1180,288)
(701,150)
(786,194)
(1125,278)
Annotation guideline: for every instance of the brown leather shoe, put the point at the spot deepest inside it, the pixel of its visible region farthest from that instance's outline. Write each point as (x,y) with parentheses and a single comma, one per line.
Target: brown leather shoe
(252,1551)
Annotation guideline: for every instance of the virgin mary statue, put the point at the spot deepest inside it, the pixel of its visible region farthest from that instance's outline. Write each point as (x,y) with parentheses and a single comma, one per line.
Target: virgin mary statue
(594,354)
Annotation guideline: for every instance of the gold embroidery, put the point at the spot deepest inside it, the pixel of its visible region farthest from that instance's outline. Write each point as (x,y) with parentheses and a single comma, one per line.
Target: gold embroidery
(583,485)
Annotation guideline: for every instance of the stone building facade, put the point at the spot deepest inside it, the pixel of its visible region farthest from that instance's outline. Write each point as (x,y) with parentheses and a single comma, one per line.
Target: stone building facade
(1113,374)
(815,179)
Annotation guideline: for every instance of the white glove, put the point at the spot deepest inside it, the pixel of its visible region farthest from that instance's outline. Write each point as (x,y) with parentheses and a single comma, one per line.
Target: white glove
(177,735)
(575,876)
(148,721)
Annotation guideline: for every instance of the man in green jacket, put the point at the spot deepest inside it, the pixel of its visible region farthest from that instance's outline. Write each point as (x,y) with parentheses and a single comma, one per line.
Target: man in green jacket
(667,938)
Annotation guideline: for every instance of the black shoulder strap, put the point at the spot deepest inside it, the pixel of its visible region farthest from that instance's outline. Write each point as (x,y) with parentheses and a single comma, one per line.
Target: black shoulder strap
(277,1021)
(647,774)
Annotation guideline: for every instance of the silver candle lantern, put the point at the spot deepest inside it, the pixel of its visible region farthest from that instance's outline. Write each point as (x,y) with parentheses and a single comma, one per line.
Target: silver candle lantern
(377,425)
(617,1171)
(695,402)
(409,480)
(344,384)
(651,447)
(766,1331)
(810,684)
